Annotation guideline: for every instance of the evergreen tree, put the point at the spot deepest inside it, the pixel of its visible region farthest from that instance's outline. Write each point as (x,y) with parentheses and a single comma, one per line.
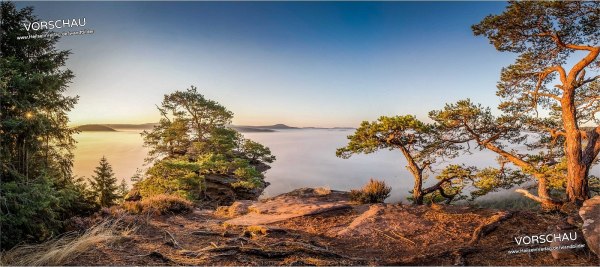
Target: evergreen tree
(421,146)
(123,189)
(37,190)
(104,184)
(191,142)
(552,87)
(137,176)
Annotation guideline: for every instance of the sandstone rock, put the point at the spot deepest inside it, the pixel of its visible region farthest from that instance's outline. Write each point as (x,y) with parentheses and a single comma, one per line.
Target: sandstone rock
(365,217)
(590,214)
(301,202)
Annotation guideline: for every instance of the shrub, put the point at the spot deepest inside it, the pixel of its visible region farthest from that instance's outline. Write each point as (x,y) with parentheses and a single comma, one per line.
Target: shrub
(160,204)
(373,192)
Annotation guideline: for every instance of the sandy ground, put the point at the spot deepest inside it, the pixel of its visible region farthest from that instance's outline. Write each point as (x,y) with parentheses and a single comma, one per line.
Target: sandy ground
(377,234)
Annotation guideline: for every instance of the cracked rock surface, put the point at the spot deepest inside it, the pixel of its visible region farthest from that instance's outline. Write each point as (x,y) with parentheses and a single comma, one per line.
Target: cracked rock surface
(590,214)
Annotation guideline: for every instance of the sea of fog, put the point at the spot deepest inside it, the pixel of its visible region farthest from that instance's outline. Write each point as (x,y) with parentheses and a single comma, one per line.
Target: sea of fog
(305,158)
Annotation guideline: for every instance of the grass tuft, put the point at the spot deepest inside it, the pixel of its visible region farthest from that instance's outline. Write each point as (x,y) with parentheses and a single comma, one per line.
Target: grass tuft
(374,191)
(160,204)
(64,248)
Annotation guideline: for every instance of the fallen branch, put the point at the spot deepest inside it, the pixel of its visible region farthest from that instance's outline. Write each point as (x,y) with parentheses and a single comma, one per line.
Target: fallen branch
(489,225)
(403,238)
(386,235)
(173,242)
(207,233)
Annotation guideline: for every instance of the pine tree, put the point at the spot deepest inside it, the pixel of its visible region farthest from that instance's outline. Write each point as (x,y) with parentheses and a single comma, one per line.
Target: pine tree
(123,189)
(552,87)
(104,184)
(137,176)
(37,191)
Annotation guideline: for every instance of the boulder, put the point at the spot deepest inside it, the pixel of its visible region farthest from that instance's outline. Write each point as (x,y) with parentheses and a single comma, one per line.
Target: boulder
(590,214)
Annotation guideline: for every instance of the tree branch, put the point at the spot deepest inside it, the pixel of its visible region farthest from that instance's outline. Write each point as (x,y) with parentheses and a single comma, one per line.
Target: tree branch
(594,52)
(588,80)
(593,145)
(560,43)
(535,94)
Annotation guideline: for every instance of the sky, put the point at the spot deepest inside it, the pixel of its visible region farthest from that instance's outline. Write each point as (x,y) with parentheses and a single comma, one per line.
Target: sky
(325,64)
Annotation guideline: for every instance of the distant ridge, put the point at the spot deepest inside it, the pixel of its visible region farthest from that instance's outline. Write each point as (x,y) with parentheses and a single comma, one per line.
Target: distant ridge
(240,128)
(127,126)
(250,129)
(94,128)
(278,126)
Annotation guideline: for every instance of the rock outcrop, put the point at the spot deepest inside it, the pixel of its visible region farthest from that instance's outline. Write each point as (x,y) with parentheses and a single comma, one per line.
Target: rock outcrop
(300,202)
(590,214)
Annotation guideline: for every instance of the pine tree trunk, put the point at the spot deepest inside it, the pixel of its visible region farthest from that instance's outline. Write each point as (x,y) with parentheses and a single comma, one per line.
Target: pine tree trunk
(577,171)
(545,198)
(418,189)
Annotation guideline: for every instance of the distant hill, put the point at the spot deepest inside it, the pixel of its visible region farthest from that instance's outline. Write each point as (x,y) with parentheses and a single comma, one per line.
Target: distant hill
(280,126)
(95,128)
(126,126)
(239,128)
(275,127)
(250,129)
(326,128)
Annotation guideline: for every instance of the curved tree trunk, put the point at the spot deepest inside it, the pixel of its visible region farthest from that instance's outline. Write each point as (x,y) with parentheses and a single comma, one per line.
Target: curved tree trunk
(418,190)
(577,170)
(543,197)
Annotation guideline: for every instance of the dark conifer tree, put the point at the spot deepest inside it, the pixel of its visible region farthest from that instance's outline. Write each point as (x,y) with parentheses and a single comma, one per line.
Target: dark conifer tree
(37,190)
(104,184)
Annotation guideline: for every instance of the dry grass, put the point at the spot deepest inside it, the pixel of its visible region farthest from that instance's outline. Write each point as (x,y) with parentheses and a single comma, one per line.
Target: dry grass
(160,204)
(323,191)
(64,248)
(374,191)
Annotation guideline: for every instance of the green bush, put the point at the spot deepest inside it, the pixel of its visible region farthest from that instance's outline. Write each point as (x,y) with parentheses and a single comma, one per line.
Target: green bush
(35,210)
(373,192)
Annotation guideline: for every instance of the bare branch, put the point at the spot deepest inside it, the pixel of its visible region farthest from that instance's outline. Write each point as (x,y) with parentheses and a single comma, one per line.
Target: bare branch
(535,94)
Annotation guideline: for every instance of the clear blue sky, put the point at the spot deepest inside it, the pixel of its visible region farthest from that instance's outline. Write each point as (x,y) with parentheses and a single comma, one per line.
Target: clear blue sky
(301,63)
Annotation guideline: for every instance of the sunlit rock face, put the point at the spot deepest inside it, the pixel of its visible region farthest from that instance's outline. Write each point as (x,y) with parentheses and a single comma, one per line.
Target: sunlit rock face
(590,213)
(220,192)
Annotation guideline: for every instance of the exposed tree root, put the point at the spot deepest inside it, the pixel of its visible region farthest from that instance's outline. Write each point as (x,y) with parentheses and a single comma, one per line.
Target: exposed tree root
(212,233)
(158,256)
(489,225)
(459,256)
(288,248)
